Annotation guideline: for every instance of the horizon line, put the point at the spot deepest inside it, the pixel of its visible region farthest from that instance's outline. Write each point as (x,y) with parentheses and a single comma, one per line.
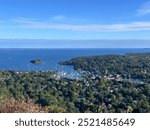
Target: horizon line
(66,39)
(79,48)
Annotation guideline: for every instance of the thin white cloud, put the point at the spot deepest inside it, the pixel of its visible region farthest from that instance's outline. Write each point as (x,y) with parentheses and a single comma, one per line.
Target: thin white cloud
(58,18)
(133,26)
(144,9)
(24,20)
(62,19)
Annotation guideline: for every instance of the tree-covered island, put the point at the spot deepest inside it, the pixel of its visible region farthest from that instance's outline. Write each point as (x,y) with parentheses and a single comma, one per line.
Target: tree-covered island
(37,61)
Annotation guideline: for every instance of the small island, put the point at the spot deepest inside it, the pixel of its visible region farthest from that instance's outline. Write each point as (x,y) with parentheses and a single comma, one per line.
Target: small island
(37,61)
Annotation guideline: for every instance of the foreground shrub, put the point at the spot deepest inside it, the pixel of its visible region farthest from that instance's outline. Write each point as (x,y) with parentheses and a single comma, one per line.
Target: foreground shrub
(19,106)
(54,109)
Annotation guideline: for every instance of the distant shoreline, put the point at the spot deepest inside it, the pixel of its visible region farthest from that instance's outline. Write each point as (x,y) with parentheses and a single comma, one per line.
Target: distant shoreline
(73,48)
(75,43)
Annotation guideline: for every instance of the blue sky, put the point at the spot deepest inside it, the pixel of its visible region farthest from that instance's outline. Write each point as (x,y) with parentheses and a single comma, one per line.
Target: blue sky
(75,19)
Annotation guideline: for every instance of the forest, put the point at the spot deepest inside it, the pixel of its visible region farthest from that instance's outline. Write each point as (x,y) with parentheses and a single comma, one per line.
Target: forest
(109,84)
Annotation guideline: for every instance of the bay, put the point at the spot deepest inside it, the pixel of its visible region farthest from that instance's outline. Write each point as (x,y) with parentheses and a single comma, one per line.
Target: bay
(19,59)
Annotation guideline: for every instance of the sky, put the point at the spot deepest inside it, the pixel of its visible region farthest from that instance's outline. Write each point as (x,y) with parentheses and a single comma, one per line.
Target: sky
(75,20)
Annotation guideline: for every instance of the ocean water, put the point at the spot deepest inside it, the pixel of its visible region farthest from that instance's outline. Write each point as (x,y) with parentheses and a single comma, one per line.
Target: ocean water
(19,59)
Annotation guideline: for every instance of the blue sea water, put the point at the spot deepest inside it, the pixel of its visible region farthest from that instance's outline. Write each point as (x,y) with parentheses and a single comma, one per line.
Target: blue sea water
(19,59)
